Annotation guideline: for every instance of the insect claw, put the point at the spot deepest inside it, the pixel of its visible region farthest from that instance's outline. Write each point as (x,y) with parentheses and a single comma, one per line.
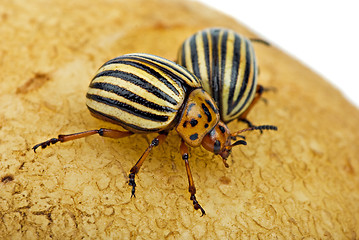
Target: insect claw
(35,147)
(45,144)
(196,205)
(203,212)
(225,162)
(132,183)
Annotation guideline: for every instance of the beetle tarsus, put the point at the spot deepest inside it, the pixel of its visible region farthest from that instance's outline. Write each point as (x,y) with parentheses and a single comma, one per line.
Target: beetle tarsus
(265,127)
(225,162)
(251,125)
(132,183)
(45,144)
(196,205)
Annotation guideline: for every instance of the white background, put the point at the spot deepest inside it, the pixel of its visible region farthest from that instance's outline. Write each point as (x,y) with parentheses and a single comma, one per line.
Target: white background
(324,35)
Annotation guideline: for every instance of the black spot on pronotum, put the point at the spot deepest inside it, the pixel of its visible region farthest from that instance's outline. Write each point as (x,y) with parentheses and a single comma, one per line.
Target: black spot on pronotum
(7,178)
(216,147)
(193,136)
(206,111)
(215,110)
(199,116)
(193,122)
(223,130)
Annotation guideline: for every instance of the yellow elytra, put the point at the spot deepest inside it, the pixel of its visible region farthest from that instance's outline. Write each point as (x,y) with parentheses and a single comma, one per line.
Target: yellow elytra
(226,65)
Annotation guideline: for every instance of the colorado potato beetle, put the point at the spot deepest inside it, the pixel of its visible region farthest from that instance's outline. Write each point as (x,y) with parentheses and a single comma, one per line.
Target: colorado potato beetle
(226,65)
(144,93)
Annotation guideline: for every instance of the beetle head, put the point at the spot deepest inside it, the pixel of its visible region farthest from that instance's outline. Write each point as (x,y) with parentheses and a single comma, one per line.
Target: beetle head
(218,141)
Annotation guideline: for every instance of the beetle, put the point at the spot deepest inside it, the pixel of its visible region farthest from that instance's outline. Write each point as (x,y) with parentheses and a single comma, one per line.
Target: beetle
(226,65)
(145,93)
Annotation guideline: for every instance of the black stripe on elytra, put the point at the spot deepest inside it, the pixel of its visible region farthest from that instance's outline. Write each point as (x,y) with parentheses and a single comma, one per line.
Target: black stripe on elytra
(206,111)
(253,83)
(223,66)
(234,72)
(132,78)
(149,70)
(175,74)
(194,56)
(243,81)
(127,108)
(252,89)
(120,122)
(206,54)
(130,96)
(214,79)
(223,56)
(183,55)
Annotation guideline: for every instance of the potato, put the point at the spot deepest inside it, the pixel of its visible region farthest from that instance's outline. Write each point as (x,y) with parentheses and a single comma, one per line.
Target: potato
(301,182)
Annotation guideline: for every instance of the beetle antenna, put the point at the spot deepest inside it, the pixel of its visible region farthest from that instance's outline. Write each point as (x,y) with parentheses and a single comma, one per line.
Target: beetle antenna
(239,142)
(260,128)
(258,40)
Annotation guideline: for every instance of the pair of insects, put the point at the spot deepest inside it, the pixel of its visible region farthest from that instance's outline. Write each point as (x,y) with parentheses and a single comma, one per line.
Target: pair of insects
(214,82)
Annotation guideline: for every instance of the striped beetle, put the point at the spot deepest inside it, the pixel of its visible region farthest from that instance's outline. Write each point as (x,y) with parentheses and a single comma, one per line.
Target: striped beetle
(144,93)
(226,64)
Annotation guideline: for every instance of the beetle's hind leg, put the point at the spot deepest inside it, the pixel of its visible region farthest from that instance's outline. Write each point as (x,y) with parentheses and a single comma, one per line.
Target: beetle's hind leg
(135,169)
(104,132)
(243,117)
(191,188)
(259,92)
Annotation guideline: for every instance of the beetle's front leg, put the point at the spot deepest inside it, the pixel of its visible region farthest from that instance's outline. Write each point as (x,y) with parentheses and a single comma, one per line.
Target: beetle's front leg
(191,188)
(135,169)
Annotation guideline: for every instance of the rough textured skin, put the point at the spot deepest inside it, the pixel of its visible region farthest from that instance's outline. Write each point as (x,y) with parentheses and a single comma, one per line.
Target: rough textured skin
(301,182)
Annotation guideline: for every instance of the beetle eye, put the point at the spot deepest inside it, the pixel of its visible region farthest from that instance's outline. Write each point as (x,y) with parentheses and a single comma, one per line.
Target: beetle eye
(216,147)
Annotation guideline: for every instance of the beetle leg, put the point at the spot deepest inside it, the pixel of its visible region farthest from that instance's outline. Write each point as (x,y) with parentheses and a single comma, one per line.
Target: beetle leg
(268,89)
(104,132)
(191,188)
(258,95)
(135,169)
(259,92)
(260,128)
(258,40)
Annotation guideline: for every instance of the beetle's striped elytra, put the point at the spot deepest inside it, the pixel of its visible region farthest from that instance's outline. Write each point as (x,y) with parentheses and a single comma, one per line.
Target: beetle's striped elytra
(226,65)
(144,93)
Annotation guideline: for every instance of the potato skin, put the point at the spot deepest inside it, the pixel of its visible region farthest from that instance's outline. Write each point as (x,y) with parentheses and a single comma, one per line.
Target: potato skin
(299,182)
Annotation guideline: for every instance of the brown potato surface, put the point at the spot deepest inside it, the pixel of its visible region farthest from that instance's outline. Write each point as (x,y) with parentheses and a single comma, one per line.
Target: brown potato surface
(301,182)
